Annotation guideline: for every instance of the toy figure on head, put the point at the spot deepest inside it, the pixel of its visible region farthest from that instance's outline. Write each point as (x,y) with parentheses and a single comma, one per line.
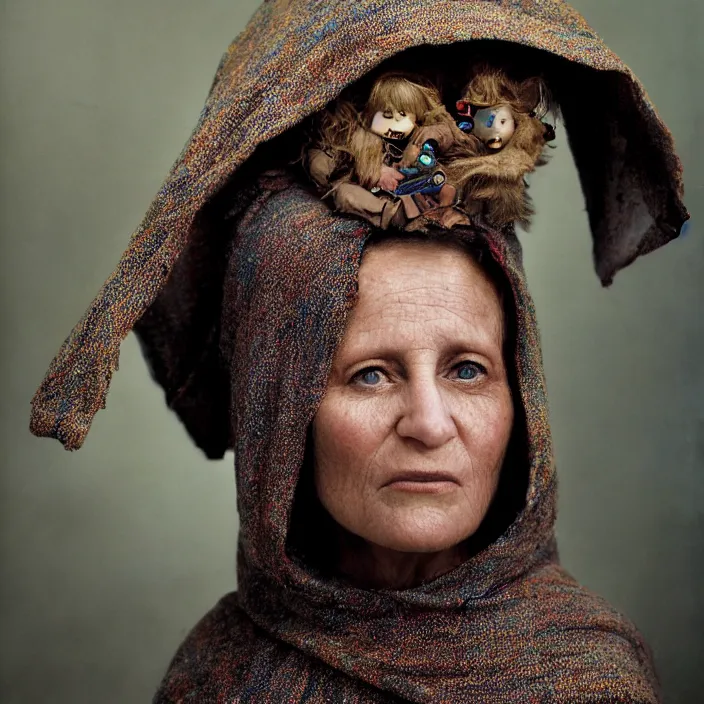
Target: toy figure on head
(501,117)
(494,126)
(381,162)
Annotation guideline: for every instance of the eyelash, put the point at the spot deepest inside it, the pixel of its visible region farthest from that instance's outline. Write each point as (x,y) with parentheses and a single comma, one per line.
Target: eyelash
(481,370)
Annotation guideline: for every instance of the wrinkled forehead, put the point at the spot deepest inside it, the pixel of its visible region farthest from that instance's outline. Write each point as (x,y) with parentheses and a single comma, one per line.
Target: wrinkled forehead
(446,284)
(451,261)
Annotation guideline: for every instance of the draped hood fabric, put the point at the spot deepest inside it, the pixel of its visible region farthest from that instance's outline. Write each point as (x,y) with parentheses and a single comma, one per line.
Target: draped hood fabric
(291,60)
(509,625)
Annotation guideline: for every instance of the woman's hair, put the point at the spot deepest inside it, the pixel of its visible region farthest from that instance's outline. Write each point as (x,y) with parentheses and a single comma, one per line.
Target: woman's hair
(313,533)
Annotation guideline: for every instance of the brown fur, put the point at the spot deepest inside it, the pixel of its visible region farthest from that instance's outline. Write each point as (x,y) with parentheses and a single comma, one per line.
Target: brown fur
(492,183)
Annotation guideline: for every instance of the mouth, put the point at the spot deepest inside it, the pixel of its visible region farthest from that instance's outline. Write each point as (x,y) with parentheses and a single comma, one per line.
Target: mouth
(392,134)
(422,482)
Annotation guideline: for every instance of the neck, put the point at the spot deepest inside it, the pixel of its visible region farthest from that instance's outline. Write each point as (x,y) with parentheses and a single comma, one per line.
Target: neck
(374,567)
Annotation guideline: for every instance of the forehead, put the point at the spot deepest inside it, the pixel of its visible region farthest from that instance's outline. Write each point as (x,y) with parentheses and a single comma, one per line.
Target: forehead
(407,290)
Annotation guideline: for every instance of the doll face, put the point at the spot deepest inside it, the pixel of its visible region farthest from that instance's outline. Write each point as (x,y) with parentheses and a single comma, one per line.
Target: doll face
(393,124)
(495,126)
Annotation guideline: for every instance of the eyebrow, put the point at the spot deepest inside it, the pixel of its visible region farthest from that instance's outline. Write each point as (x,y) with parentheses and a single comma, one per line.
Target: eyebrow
(384,350)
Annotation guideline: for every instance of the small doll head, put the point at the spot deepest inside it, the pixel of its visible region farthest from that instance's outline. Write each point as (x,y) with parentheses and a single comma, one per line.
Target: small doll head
(492,103)
(397,105)
(494,126)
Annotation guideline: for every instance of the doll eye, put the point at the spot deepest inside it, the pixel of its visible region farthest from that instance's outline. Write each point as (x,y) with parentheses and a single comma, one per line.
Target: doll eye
(402,113)
(388,114)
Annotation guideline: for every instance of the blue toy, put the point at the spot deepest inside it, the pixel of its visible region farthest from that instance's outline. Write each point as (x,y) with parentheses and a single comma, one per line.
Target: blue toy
(425,177)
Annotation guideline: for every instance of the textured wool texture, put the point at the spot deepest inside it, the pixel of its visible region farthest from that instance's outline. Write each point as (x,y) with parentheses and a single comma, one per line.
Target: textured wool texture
(290,61)
(509,625)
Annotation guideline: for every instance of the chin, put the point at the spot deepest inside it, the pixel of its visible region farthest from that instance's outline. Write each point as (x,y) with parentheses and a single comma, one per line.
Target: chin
(427,533)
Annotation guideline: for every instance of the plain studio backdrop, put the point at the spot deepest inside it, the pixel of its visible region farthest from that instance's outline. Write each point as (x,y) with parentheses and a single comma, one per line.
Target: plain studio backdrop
(109,555)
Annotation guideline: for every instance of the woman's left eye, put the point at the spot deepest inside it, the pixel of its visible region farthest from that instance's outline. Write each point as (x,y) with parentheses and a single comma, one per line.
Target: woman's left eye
(469,371)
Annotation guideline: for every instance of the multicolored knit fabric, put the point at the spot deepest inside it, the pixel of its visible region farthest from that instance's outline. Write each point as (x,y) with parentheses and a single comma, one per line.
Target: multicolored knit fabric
(509,625)
(291,60)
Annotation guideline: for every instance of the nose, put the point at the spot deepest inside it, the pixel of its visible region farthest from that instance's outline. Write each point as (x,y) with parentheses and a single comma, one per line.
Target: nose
(426,417)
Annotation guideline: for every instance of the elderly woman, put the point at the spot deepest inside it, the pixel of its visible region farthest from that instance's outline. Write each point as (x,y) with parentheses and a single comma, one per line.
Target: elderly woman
(409,441)
(383,392)
(396,482)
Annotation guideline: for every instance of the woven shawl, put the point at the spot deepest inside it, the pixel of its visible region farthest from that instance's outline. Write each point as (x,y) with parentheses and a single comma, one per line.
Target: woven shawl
(290,61)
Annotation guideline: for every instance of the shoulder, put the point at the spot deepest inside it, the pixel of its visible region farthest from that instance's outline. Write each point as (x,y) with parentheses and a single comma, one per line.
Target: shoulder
(584,648)
(220,642)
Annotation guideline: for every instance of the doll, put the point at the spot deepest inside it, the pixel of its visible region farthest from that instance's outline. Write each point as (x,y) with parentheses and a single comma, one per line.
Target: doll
(494,126)
(381,164)
(501,115)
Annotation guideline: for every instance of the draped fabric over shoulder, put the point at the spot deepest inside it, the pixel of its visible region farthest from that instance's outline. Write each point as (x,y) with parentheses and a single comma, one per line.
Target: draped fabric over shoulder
(239,283)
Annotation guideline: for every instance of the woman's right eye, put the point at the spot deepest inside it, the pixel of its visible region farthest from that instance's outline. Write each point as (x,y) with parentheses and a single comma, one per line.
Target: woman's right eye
(368,377)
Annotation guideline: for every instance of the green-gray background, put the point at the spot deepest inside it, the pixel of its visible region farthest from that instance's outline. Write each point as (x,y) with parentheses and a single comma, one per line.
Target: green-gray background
(109,555)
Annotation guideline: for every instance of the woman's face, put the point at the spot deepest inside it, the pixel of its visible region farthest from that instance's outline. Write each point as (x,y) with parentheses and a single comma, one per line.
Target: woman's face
(411,435)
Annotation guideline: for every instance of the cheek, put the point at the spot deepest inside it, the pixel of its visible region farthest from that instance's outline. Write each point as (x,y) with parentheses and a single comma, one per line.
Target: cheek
(380,124)
(510,127)
(347,434)
(485,425)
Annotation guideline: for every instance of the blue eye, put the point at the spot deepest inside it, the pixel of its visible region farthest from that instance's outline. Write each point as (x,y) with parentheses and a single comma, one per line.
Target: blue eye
(369,377)
(468,371)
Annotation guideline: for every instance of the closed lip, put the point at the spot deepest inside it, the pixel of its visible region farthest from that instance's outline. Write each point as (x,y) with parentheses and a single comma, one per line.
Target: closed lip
(422,477)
